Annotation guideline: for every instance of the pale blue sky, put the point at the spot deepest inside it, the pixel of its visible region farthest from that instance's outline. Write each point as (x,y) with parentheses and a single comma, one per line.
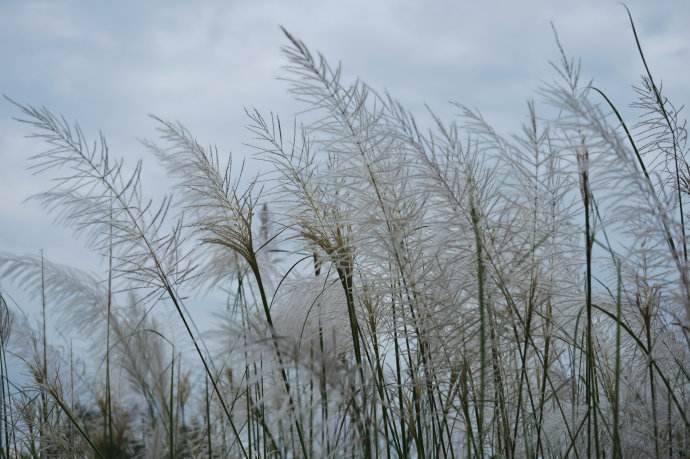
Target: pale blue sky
(109,64)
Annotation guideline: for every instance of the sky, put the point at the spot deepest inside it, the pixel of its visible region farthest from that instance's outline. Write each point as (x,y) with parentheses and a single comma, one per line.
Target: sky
(109,65)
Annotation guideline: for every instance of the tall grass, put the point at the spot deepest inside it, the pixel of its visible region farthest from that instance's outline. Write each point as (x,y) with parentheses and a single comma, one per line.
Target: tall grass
(392,291)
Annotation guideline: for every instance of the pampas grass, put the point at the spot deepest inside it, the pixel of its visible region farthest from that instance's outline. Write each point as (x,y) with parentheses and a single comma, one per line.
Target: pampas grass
(393,291)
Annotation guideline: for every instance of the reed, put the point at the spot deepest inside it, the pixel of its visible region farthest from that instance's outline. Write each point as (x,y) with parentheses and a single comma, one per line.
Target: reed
(393,290)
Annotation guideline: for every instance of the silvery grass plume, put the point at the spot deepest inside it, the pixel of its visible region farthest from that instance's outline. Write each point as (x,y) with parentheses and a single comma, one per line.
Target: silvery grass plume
(78,302)
(107,206)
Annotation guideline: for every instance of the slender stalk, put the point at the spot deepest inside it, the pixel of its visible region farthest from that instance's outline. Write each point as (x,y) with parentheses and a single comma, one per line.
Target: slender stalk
(44,376)
(5,399)
(171,407)
(108,392)
(590,379)
(474,214)
(207,406)
(617,448)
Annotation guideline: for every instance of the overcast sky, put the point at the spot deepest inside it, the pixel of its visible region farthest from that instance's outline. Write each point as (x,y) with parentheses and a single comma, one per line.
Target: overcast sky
(109,64)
